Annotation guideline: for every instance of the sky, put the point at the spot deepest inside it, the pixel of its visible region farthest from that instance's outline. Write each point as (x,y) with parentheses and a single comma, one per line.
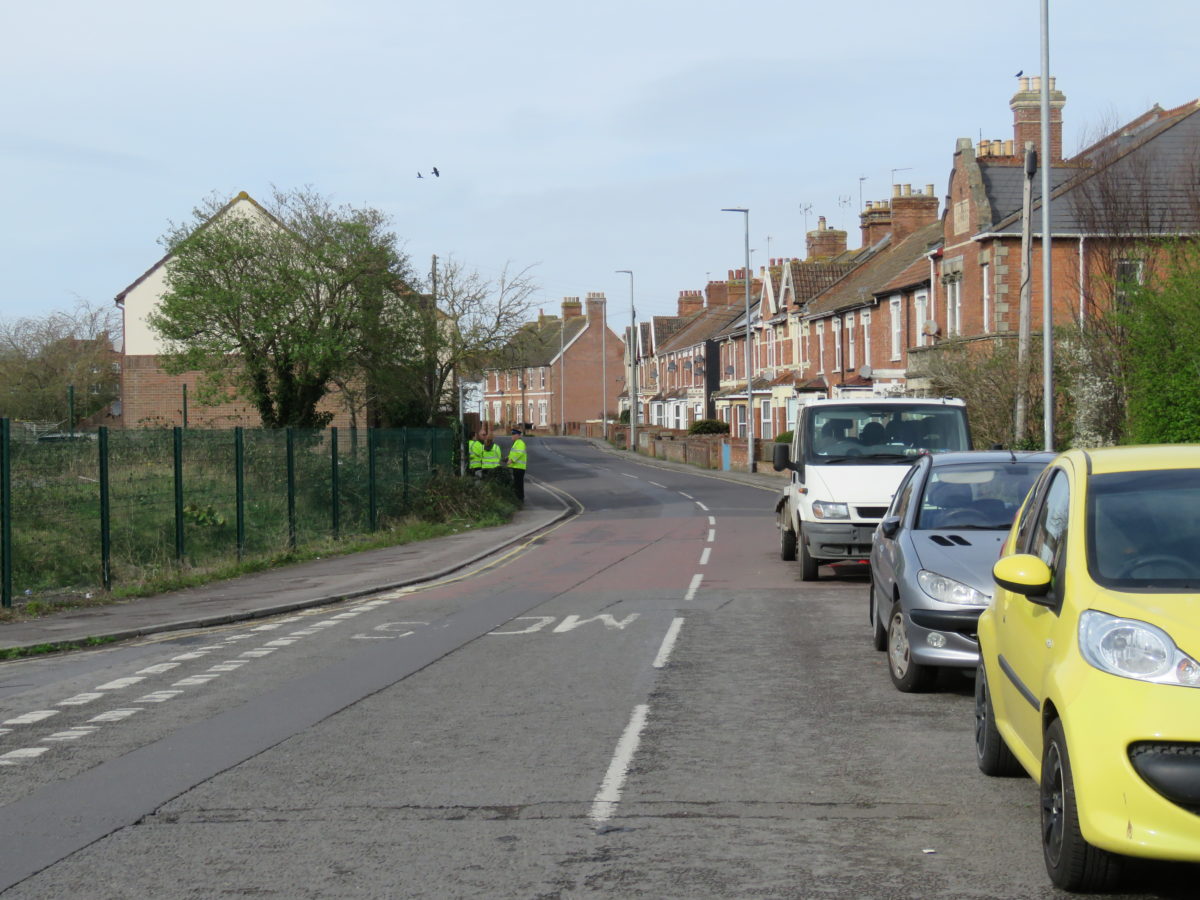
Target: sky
(572,138)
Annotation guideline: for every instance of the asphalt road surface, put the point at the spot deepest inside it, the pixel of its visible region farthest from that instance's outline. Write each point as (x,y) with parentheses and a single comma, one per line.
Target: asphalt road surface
(643,702)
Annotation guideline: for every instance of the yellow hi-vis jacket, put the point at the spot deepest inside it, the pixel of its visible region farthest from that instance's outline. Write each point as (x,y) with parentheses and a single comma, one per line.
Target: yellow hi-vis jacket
(516,455)
(490,459)
(475,454)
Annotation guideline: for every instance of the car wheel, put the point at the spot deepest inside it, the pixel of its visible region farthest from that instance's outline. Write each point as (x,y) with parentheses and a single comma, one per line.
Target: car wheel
(808,565)
(991,753)
(1072,863)
(908,677)
(878,632)
(787,543)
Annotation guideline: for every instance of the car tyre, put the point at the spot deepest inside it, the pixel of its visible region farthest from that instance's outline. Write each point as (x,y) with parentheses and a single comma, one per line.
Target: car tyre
(808,565)
(1071,862)
(909,677)
(991,752)
(878,632)
(787,543)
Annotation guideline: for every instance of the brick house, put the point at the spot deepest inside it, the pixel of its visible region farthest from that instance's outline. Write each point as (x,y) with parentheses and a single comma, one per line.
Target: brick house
(689,362)
(551,375)
(150,396)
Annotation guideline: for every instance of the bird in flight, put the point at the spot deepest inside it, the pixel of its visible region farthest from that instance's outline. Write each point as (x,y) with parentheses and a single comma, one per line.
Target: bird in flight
(436,173)
(419,175)
(1019,74)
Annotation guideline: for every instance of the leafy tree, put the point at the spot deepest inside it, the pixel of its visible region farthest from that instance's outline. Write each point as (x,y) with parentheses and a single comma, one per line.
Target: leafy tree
(1161,357)
(276,304)
(41,357)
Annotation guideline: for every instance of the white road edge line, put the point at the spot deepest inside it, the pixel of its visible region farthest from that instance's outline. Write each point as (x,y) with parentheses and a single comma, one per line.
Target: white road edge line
(668,644)
(609,795)
(712,520)
(712,535)
(656,484)
(693,587)
(704,556)
(702,506)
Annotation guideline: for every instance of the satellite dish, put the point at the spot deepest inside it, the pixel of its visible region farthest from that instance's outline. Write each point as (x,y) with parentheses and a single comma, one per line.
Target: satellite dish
(931,328)
(866,371)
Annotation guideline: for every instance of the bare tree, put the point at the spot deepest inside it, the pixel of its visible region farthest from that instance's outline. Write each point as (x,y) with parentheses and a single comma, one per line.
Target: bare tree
(41,358)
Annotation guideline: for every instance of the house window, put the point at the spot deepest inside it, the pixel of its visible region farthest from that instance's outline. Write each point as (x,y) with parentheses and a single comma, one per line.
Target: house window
(541,412)
(496,412)
(953,307)
(836,328)
(821,347)
(986,291)
(851,348)
(922,304)
(543,371)
(1130,274)
(741,421)
(866,327)
(804,355)
(897,326)
(768,426)
(793,406)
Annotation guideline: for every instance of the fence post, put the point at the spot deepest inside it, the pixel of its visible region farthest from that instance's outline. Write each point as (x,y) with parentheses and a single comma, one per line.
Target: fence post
(334,492)
(404,464)
(291,486)
(372,508)
(105,511)
(6,560)
(239,481)
(177,448)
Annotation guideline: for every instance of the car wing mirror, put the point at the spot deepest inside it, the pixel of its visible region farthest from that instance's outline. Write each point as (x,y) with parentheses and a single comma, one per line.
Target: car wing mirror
(889,526)
(781,458)
(1024,574)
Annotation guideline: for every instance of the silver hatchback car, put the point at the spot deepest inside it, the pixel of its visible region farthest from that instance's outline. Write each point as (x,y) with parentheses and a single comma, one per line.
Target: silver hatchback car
(932,557)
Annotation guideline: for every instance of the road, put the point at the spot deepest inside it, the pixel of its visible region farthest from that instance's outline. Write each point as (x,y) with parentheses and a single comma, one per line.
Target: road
(644,701)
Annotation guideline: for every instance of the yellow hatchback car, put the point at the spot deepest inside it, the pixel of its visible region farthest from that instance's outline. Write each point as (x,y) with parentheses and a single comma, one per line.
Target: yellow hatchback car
(1089,678)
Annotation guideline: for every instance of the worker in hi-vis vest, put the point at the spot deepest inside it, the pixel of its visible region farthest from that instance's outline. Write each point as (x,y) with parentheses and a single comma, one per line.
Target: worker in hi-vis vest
(475,455)
(489,460)
(517,460)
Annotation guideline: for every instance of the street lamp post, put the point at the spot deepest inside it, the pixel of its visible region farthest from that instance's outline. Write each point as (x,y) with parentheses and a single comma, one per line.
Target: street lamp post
(633,398)
(604,368)
(751,462)
(1047,242)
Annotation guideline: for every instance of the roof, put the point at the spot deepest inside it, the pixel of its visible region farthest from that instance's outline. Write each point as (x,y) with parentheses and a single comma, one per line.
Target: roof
(538,343)
(700,327)
(889,263)
(1150,164)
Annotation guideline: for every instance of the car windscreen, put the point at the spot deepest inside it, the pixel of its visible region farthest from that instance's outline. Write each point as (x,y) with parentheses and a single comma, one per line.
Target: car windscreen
(880,433)
(1143,529)
(975,495)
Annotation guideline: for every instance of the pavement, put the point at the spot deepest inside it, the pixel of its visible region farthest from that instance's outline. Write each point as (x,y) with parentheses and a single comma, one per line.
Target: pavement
(323,581)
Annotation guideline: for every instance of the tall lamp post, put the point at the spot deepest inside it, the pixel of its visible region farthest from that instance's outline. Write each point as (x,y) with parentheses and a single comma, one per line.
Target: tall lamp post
(751,462)
(633,397)
(604,369)
(1047,242)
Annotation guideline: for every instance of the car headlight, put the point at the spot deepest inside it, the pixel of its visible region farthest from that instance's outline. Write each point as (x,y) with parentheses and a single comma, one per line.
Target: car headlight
(1133,649)
(947,590)
(823,509)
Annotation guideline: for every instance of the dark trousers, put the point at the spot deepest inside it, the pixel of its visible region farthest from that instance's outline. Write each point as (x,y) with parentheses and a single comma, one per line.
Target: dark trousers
(518,476)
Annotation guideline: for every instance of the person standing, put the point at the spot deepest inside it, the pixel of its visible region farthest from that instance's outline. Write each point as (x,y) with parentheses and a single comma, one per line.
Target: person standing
(475,455)
(517,460)
(489,459)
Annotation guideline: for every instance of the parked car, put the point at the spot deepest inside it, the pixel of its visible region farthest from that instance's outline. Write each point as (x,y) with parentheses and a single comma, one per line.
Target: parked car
(1089,678)
(932,556)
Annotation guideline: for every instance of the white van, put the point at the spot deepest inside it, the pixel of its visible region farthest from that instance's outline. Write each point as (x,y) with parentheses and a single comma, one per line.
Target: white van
(847,457)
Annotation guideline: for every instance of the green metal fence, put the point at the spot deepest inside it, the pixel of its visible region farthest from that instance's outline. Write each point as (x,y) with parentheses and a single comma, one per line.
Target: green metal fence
(118,506)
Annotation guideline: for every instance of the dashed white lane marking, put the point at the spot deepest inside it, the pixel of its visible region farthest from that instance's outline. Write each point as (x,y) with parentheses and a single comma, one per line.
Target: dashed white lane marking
(269,627)
(693,587)
(668,644)
(609,795)
(689,496)
(325,624)
(712,520)
(656,484)
(120,683)
(5,730)
(712,535)
(702,506)
(228,666)
(30,717)
(184,657)
(80,699)
(72,734)
(704,556)
(238,637)
(116,715)
(158,669)
(19,756)
(256,653)
(158,697)
(627,475)
(195,679)
(282,642)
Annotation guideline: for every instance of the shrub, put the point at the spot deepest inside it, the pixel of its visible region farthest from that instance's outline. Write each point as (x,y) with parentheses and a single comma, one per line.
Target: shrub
(709,426)
(784,437)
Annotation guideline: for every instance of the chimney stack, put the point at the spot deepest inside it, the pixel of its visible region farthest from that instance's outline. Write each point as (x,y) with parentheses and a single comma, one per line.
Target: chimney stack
(571,308)
(1026,105)
(912,210)
(595,306)
(824,242)
(876,221)
(690,302)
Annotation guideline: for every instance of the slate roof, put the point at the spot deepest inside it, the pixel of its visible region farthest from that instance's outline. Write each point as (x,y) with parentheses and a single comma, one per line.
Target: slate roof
(1152,163)
(537,343)
(700,327)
